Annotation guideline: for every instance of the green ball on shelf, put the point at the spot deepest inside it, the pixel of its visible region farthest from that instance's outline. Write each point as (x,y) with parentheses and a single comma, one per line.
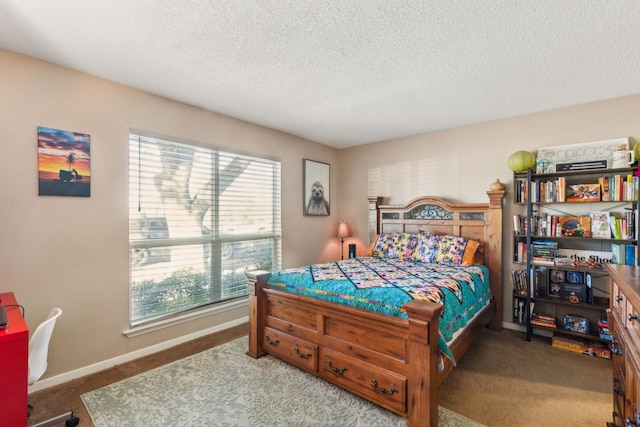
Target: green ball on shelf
(520,161)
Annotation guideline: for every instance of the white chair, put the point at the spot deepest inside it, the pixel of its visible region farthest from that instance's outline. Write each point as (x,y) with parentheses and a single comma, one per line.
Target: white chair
(38,352)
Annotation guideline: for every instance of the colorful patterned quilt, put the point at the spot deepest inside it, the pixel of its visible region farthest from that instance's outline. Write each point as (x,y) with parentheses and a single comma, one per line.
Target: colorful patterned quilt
(384,285)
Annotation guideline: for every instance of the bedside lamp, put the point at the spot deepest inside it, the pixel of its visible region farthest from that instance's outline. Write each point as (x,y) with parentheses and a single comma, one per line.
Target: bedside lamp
(343,231)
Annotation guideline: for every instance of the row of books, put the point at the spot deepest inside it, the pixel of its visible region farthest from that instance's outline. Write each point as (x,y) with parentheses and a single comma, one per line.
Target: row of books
(624,254)
(608,188)
(543,321)
(542,191)
(617,188)
(623,228)
(598,225)
(543,255)
(537,284)
(603,326)
(519,310)
(544,252)
(520,284)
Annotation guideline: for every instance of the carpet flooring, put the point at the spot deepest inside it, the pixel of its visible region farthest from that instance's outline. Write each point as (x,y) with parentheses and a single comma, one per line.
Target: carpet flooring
(224,387)
(501,380)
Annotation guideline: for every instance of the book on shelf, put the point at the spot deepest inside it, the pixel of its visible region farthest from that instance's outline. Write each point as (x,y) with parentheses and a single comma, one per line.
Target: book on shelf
(540,225)
(583,193)
(544,321)
(618,253)
(600,226)
(604,188)
(630,254)
(615,193)
(543,261)
(519,279)
(541,282)
(630,216)
(518,310)
(549,191)
(615,230)
(603,328)
(517,224)
(521,191)
(621,188)
(520,252)
(543,243)
(537,322)
(620,227)
(575,225)
(545,225)
(544,317)
(562,189)
(606,336)
(562,261)
(554,230)
(543,252)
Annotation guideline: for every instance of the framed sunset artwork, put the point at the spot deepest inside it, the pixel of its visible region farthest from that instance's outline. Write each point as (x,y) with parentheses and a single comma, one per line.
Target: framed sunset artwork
(63,163)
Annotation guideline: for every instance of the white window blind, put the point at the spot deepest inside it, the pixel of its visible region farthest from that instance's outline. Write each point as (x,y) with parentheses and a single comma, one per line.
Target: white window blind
(199,220)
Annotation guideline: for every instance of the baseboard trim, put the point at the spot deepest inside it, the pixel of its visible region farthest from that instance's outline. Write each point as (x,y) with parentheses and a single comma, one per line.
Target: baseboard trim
(521,328)
(109,363)
(513,327)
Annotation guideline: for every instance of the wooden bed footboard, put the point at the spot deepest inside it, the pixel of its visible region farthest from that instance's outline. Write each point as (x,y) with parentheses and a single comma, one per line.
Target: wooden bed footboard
(387,360)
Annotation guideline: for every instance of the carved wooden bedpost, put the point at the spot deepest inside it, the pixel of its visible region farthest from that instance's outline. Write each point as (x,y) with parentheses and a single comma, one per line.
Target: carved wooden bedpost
(423,352)
(493,239)
(374,227)
(257,312)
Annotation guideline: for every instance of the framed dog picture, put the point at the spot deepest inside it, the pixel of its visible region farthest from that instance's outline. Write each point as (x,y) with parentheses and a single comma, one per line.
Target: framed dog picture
(316,188)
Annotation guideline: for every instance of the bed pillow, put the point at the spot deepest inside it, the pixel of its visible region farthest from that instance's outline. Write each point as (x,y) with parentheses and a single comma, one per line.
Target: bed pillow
(395,245)
(427,247)
(382,243)
(372,245)
(410,245)
(456,251)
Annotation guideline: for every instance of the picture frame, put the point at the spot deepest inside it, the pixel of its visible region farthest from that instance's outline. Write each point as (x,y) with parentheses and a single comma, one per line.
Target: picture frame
(554,289)
(316,188)
(557,276)
(574,277)
(64,163)
(580,156)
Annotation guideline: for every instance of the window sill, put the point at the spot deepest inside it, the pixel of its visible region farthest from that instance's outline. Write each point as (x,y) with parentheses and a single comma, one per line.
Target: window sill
(187,317)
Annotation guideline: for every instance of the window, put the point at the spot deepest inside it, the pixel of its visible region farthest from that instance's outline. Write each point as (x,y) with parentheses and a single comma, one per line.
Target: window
(199,218)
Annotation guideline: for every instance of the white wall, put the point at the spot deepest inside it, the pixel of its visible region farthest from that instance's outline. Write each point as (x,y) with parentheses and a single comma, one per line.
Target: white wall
(72,252)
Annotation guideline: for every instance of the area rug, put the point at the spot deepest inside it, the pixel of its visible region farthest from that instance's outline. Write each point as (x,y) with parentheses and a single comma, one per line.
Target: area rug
(224,387)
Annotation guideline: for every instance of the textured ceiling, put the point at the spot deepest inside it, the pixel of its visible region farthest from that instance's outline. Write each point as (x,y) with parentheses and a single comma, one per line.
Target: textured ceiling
(344,73)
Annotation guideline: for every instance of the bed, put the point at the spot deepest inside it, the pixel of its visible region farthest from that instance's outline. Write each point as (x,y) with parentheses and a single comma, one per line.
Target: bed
(394,360)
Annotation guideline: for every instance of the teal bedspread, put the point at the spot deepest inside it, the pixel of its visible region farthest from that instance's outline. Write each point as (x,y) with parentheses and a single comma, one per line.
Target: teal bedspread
(384,285)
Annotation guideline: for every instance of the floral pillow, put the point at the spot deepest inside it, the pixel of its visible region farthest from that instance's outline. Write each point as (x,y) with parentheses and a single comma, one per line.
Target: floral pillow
(456,251)
(395,245)
(427,247)
(410,245)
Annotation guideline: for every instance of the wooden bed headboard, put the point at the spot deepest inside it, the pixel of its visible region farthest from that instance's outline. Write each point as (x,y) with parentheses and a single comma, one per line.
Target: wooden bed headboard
(477,221)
